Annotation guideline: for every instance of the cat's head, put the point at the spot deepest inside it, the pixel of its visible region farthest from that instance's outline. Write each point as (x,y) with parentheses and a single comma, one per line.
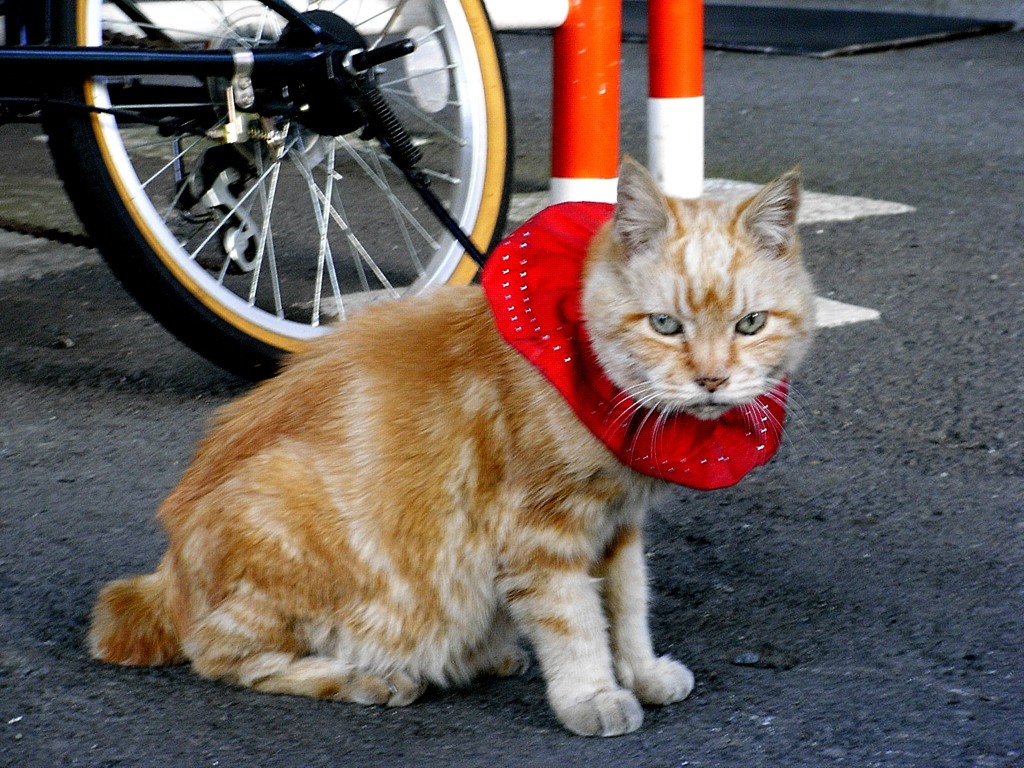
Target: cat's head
(698,305)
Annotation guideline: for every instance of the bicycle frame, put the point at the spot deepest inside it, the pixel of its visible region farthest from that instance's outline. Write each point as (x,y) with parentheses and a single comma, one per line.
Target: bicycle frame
(323,59)
(31,23)
(29,31)
(26,23)
(585,84)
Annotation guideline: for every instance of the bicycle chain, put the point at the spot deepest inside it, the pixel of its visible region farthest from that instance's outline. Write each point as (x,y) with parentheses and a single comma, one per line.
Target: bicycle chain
(122,40)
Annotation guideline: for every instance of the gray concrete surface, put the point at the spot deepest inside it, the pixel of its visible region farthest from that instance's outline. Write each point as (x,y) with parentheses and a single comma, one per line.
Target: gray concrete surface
(856,603)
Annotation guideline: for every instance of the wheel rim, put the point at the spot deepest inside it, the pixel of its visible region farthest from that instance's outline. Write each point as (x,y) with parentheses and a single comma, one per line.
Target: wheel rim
(317,226)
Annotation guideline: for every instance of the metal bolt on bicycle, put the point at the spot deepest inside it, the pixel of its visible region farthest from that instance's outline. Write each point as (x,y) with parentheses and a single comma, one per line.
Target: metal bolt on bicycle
(255,169)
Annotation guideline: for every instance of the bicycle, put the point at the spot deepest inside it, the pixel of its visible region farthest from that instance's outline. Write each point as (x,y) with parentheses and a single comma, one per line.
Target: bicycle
(176,126)
(253,170)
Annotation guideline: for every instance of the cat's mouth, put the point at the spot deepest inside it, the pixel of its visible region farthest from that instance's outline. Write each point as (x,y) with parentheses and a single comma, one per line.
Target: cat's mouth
(706,409)
(714,406)
(705,406)
(711,410)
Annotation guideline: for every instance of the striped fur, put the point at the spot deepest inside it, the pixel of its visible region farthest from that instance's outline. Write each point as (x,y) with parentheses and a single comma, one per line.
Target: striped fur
(409,496)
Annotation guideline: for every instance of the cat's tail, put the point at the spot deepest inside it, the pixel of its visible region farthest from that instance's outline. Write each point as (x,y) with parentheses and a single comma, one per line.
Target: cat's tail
(131,624)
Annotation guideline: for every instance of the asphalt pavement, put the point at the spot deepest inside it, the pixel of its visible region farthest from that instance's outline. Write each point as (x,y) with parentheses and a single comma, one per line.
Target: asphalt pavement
(858,602)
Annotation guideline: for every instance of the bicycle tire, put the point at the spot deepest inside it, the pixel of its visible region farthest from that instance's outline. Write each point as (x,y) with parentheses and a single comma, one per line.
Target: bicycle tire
(244,308)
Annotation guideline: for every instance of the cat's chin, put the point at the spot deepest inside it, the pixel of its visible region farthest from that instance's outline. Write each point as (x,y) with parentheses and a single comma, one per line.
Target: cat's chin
(709,411)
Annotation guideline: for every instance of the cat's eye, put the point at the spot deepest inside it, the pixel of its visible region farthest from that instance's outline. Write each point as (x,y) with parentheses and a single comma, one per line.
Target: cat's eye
(664,324)
(752,323)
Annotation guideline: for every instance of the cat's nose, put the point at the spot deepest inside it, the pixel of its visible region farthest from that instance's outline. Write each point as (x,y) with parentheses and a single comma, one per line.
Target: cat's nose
(712,383)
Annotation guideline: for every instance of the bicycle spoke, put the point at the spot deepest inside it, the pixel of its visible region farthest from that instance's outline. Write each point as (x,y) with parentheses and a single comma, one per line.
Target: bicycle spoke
(406,237)
(337,212)
(395,99)
(271,253)
(324,255)
(265,248)
(396,11)
(389,84)
(441,176)
(238,205)
(174,159)
(384,187)
(130,9)
(221,22)
(280,231)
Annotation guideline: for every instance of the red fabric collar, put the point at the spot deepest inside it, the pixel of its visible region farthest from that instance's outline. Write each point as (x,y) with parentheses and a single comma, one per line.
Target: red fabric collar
(532,282)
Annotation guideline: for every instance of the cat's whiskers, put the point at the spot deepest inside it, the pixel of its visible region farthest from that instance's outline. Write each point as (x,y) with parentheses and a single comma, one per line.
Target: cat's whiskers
(794,408)
(796,411)
(656,432)
(640,429)
(634,402)
(761,418)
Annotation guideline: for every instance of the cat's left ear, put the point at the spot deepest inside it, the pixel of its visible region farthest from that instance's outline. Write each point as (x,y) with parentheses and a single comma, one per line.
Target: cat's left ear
(770,215)
(642,215)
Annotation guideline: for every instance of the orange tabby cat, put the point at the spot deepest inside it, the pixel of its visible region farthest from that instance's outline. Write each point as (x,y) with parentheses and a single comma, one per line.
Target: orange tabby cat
(411,494)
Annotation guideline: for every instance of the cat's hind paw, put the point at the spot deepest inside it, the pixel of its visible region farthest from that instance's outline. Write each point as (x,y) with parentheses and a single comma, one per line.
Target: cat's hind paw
(394,690)
(513,663)
(663,681)
(606,713)
(327,678)
(403,690)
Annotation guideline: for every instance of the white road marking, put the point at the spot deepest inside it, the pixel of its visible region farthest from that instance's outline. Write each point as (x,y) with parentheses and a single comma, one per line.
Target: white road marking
(815,208)
(831,313)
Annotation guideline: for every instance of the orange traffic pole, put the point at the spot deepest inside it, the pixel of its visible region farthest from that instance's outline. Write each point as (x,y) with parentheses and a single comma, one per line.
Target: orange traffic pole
(675,104)
(585,109)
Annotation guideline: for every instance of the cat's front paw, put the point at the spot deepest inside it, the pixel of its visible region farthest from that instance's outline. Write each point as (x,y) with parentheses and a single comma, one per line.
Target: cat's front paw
(663,681)
(606,713)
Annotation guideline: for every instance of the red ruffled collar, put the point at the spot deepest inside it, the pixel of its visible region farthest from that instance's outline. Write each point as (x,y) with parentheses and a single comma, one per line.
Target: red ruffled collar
(532,282)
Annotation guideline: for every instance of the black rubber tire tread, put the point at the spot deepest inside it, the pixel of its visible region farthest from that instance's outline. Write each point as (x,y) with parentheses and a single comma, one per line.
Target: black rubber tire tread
(87,179)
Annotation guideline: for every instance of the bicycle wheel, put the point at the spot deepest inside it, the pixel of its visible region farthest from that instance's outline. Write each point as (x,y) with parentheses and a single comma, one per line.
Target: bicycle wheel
(247,247)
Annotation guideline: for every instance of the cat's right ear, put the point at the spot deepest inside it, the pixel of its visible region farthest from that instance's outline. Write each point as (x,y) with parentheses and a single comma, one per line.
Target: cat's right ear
(642,216)
(770,215)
